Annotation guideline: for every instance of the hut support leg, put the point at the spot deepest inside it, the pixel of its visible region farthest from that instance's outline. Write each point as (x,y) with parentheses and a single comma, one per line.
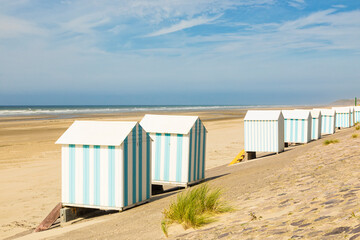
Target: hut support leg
(156,189)
(70,213)
(250,155)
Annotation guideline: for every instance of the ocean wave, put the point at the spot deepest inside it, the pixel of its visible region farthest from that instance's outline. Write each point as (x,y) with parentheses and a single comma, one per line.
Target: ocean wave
(71,110)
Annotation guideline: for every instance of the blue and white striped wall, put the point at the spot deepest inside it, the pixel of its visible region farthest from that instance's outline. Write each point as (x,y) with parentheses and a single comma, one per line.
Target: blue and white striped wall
(107,177)
(264,135)
(328,124)
(343,120)
(297,130)
(315,126)
(356,114)
(179,159)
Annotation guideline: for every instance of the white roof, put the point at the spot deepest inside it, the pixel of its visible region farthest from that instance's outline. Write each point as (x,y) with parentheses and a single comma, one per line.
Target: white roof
(296,114)
(108,133)
(351,107)
(263,115)
(342,109)
(168,123)
(327,112)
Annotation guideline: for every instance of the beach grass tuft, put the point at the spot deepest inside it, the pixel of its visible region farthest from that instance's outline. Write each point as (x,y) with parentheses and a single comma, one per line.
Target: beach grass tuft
(194,208)
(354,135)
(357,126)
(329,141)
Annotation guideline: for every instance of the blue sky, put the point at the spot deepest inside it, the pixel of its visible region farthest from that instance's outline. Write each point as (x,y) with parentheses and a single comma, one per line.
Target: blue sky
(179,52)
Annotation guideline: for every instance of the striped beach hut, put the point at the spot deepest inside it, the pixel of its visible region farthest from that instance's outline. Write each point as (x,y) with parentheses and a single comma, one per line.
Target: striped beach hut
(264,131)
(178,148)
(316,124)
(356,114)
(297,126)
(328,117)
(343,117)
(105,165)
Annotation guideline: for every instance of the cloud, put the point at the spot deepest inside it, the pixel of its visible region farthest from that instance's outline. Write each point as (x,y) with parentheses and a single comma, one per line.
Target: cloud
(86,23)
(184,24)
(11,27)
(300,4)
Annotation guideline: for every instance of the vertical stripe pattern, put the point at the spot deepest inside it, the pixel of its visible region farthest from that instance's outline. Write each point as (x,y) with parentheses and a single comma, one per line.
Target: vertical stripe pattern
(316,128)
(328,124)
(297,130)
(264,135)
(343,120)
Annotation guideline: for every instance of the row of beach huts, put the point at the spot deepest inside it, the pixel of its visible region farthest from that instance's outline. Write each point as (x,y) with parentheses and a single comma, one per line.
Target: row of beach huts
(113,164)
(273,130)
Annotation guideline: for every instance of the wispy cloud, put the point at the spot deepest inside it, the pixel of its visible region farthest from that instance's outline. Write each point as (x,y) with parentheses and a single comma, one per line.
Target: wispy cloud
(184,24)
(300,4)
(11,27)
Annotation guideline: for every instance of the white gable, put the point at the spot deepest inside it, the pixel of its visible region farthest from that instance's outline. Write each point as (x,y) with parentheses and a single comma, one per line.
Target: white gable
(342,109)
(262,115)
(108,133)
(168,123)
(326,112)
(296,114)
(315,113)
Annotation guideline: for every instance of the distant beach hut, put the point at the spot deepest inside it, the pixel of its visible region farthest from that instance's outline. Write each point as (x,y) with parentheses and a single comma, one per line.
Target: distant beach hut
(328,117)
(264,131)
(178,149)
(316,124)
(357,114)
(297,126)
(105,165)
(343,117)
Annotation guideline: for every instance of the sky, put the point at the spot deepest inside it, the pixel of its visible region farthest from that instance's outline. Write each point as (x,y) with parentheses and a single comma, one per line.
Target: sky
(179,52)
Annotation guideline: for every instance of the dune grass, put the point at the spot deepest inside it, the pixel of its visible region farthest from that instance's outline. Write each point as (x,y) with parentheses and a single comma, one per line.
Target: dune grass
(194,208)
(354,135)
(329,141)
(357,127)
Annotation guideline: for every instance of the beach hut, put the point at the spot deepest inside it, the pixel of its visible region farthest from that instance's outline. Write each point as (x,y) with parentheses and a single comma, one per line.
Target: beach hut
(316,124)
(178,149)
(297,126)
(105,165)
(264,131)
(343,117)
(328,117)
(356,114)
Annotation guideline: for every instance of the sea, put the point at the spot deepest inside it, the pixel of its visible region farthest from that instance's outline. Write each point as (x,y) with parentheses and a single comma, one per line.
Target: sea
(68,111)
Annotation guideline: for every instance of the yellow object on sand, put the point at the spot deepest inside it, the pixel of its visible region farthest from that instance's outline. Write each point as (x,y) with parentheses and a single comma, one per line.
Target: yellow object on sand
(238,158)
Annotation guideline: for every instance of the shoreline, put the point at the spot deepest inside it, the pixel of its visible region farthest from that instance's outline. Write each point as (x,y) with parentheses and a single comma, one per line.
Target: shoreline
(187,110)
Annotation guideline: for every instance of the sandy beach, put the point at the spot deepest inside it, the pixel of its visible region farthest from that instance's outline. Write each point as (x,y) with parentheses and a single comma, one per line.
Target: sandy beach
(30,161)
(310,191)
